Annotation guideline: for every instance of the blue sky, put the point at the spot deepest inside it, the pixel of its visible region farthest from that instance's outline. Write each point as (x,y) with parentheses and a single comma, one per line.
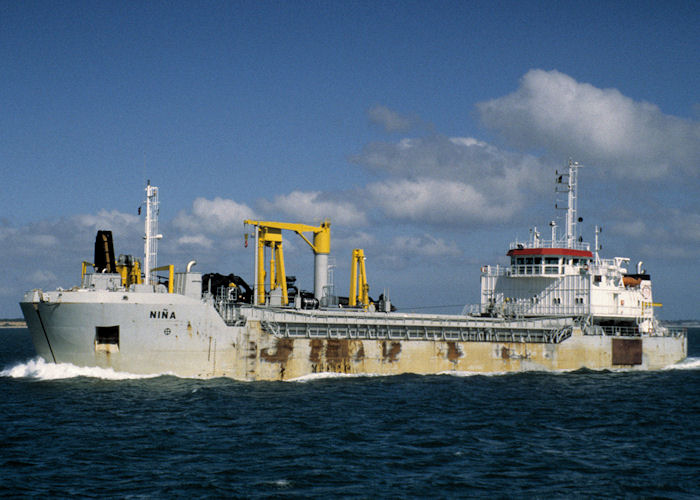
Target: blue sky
(427,131)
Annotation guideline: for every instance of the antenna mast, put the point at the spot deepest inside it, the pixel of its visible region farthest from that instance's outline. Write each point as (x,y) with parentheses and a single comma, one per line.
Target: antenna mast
(150,248)
(569,182)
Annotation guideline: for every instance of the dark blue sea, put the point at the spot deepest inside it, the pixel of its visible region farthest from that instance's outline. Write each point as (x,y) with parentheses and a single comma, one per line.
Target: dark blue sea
(69,432)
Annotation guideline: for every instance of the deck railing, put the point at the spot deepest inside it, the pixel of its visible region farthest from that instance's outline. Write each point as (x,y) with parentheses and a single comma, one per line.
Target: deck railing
(539,243)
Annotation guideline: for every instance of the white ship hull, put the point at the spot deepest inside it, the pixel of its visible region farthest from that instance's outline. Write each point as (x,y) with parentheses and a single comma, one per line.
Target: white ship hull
(168,333)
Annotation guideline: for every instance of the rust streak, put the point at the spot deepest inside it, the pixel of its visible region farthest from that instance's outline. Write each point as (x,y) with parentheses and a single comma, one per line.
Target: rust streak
(453,352)
(360,354)
(316,349)
(283,349)
(337,350)
(391,353)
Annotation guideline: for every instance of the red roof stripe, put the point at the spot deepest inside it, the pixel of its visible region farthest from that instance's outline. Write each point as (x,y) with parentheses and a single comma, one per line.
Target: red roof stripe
(551,251)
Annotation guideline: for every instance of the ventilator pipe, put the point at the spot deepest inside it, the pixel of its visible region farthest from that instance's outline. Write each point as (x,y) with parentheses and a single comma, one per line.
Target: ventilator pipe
(320,274)
(190,265)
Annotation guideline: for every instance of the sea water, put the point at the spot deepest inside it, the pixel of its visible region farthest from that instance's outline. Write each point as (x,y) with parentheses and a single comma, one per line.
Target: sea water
(67,431)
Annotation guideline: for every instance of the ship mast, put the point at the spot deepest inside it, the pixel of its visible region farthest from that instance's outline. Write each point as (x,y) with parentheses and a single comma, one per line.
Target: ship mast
(568,183)
(150,248)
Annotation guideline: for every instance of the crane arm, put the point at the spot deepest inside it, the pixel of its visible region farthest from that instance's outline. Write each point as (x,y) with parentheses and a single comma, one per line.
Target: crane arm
(321,233)
(269,234)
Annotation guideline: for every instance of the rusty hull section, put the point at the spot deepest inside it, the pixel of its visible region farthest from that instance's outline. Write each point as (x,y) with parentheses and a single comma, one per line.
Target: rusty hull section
(626,351)
(286,358)
(261,356)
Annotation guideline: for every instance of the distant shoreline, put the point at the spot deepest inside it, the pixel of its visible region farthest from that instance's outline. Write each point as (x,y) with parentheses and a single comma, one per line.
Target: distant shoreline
(684,324)
(12,323)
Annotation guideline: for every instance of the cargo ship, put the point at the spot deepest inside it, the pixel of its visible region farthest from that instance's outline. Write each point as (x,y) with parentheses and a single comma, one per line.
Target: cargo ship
(556,306)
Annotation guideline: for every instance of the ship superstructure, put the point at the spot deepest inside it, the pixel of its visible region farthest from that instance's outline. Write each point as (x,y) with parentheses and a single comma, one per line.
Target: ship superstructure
(562,276)
(557,306)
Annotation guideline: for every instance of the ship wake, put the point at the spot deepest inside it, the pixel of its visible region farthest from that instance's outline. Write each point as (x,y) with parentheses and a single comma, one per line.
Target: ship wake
(686,364)
(333,375)
(39,369)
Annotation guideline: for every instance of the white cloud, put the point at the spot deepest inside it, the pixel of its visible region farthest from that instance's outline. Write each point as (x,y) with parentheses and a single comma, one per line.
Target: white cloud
(632,229)
(108,219)
(672,234)
(687,225)
(40,277)
(217,216)
(450,179)
(198,240)
(390,120)
(678,227)
(359,239)
(435,200)
(452,158)
(313,207)
(426,246)
(435,156)
(600,127)
(42,240)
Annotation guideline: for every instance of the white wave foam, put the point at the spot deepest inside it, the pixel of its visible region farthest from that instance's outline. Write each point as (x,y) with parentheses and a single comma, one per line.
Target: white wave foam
(332,375)
(325,375)
(686,364)
(39,369)
(471,374)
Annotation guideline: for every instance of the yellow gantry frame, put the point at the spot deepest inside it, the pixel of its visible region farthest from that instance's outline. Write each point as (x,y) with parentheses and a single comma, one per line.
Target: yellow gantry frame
(359,290)
(130,274)
(171,274)
(270,235)
(84,270)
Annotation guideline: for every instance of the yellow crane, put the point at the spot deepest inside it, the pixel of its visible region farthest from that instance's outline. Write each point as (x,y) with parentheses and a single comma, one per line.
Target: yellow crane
(359,288)
(269,234)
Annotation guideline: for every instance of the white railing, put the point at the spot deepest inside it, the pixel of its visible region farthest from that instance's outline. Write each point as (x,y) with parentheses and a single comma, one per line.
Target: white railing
(525,308)
(542,270)
(539,243)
